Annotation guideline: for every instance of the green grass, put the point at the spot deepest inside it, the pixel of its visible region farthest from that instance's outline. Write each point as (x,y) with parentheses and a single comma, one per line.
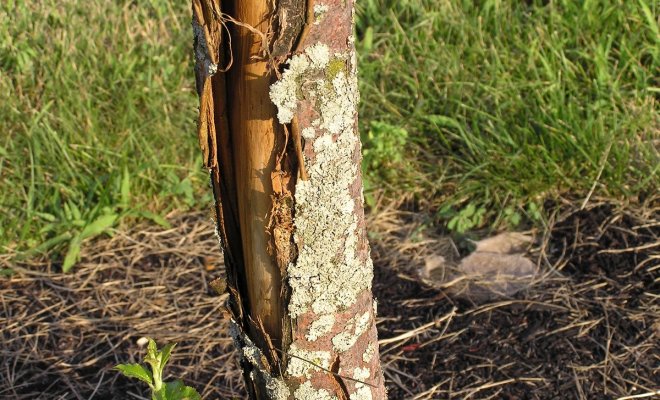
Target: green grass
(505,104)
(483,109)
(97,108)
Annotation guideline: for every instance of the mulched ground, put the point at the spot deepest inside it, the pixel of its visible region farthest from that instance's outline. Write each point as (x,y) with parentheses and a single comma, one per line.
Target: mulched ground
(588,329)
(62,334)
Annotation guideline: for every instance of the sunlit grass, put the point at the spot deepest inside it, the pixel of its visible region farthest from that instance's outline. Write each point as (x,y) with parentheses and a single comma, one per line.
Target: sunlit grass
(483,109)
(508,104)
(97,112)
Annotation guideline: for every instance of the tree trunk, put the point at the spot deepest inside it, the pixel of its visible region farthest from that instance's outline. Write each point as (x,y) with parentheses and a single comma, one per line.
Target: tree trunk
(278,129)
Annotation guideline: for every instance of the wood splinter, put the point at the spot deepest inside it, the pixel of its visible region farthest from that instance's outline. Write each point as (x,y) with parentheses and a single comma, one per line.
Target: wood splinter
(295,127)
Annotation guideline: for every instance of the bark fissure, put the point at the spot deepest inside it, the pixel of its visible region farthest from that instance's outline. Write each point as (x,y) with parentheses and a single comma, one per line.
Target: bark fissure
(343,393)
(288,24)
(278,133)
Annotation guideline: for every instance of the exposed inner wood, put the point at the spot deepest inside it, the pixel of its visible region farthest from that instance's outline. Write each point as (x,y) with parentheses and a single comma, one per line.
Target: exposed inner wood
(254,129)
(214,140)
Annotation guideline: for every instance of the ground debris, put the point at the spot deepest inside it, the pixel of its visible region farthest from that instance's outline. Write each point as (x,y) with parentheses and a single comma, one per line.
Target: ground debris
(498,268)
(63,334)
(587,330)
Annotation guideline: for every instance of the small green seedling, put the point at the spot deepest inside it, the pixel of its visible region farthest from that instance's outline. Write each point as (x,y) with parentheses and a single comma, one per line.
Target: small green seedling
(174,390)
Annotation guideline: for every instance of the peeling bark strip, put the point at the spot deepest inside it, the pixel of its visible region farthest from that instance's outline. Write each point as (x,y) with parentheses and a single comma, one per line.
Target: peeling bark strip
(278,131)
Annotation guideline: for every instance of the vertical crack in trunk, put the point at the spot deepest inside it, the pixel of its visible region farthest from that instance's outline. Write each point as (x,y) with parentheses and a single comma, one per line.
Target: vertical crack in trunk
(278,134)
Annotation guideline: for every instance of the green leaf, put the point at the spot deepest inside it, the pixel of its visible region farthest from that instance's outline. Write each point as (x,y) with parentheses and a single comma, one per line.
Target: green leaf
(452,224)
(468,211)
(50,243)
(6,272)
(99,225)
(71,254)
(515,219)
(125,188)
(153,358)
(176,390)
(48,217)
(166,352)
(446,211)
(152,349)
(68,215)
(156,218)
(189,393)
(534,211)
(75,211)
(136,371)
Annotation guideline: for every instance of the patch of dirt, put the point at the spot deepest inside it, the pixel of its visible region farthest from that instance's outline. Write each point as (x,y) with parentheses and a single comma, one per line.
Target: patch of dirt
(63,334)
(589,328)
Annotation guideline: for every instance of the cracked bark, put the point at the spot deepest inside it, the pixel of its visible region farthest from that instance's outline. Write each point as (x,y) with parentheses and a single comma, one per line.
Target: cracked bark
(289,210)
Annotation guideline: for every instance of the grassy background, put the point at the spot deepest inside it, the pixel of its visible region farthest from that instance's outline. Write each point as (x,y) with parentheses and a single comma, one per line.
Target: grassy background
(503,105)
(484,110)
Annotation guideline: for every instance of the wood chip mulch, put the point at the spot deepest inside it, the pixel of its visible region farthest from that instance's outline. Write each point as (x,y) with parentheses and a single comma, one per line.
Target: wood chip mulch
(588,329)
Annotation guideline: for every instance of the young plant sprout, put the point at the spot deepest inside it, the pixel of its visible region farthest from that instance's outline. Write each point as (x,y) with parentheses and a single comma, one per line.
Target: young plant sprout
(157,359)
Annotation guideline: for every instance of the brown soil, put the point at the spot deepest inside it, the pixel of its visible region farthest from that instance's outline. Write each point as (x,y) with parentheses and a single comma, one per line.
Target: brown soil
(589,329)
(62,334)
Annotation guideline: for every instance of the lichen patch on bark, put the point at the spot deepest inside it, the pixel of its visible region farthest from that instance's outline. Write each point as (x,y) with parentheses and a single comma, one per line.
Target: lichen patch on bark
(368,354)
(276,387)
(328,274)
(329,280)
(320,327)
(307,392)
(339,104)
(362,391)
(303,363)
(354,329)
(285,92)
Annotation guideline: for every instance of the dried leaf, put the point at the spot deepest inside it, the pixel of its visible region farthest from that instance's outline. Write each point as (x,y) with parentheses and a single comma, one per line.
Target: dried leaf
(504,243)
(496,269)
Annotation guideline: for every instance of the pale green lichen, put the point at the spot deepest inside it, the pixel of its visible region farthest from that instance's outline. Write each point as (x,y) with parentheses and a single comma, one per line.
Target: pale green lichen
(303,363)
(285,92)
(361,374)
(362,391)
(329,273)
(276,387)
(335,66)
(369,353)
(339,104)
(355,327)
(320,327)
(308,133)
(307,392)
